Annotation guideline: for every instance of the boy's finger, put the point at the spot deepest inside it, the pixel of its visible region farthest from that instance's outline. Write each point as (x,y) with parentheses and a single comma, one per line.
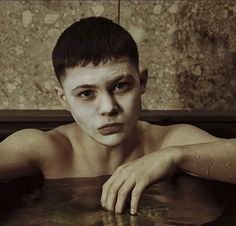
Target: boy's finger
(107,185)
(112,192)
(135,197)
(122,195)
(103,196)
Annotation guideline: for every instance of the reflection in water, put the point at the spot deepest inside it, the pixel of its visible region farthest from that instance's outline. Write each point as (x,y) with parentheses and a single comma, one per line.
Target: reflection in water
(184,200)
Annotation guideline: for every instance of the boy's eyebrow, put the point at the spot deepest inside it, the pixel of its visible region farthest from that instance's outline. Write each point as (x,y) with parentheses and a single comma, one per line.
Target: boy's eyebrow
(122,76)
(91,86)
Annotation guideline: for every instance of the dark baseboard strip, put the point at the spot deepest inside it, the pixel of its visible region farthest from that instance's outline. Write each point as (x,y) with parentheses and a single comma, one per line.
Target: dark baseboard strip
(147,115)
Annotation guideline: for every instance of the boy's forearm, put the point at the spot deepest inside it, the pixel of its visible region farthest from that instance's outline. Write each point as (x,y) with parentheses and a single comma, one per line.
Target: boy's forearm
(213,160)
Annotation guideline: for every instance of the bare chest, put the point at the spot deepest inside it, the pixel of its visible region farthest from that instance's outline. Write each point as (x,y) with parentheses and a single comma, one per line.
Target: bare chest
(65,162)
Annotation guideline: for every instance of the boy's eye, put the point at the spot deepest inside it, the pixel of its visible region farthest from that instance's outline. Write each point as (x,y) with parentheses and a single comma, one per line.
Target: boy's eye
(121,86)
(86,94)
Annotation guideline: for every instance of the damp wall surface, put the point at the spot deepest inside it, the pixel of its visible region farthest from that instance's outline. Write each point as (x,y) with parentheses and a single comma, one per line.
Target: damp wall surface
(188,47)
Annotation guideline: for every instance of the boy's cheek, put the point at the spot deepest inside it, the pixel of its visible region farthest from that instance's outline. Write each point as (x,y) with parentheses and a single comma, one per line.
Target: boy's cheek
(131,99)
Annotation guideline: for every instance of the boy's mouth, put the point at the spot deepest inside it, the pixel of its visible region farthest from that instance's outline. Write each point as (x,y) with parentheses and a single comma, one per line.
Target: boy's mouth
(110,128)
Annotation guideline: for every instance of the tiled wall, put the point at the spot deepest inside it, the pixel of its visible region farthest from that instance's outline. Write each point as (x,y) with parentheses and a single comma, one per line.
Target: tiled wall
(188,46)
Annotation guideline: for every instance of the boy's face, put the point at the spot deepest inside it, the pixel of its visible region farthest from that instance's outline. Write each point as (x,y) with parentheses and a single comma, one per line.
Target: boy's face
(105,100)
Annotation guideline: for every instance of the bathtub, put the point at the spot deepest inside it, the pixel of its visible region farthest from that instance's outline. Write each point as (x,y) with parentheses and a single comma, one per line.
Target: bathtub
(182,200)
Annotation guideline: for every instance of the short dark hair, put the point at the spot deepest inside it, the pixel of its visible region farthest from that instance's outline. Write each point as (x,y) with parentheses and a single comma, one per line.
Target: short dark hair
(92,40)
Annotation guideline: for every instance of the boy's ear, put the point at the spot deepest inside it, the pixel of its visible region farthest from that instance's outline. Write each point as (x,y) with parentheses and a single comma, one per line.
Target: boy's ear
(60,93)
(143,77)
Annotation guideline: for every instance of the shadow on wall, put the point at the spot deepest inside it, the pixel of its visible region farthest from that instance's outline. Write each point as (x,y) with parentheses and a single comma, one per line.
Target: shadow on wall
(208,82)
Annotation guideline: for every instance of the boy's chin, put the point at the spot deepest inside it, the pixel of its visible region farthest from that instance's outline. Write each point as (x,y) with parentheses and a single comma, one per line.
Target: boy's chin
(112,140)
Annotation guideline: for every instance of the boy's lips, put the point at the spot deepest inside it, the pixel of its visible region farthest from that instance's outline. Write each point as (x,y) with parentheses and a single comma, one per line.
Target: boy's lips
(110,128)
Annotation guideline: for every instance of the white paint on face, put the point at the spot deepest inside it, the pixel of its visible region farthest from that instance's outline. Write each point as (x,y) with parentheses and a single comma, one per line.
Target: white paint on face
(107,93)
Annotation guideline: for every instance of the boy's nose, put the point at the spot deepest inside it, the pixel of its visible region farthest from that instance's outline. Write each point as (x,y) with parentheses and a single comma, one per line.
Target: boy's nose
(107,105)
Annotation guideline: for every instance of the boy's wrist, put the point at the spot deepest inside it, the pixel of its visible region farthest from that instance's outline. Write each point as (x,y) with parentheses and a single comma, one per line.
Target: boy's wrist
(177,154)
(183,156)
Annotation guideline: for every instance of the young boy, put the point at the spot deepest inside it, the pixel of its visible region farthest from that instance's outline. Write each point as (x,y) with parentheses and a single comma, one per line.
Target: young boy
(96,62)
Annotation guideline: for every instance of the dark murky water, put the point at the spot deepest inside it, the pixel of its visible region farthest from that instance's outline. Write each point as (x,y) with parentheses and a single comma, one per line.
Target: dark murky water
(184,200)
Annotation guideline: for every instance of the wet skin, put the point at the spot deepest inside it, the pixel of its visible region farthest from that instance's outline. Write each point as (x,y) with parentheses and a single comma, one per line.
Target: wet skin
(105,101)
(107,138)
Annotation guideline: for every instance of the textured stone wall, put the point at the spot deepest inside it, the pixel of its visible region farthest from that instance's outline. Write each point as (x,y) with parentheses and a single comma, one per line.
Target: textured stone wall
(189,48)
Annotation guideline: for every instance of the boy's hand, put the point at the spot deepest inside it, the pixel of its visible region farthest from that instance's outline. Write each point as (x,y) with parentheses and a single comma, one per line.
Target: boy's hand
(135,176)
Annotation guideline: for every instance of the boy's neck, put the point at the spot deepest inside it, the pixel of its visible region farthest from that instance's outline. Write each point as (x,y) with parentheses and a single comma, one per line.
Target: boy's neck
(108,158)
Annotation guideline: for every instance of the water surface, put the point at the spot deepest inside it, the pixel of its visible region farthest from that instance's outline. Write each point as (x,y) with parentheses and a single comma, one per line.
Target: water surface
(183,200)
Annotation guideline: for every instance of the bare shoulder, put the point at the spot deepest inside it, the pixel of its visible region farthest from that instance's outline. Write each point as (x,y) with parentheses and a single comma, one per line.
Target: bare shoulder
(26,139)
(32,142)
(29,151)
(157,136)
(59,137)
(62,134)
(183,134)
(21,153)
(153,136)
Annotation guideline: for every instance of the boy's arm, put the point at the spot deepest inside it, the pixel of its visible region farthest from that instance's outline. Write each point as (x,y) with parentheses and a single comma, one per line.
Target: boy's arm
(194,151)
(20,153)
(212,160)
(201,154)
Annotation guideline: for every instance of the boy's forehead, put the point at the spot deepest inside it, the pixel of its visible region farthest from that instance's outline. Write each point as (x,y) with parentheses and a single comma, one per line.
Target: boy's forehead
(91,73)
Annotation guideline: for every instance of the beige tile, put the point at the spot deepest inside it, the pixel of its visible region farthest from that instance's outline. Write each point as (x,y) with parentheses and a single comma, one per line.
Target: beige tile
(189,49)
(29,30)
(188,46)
